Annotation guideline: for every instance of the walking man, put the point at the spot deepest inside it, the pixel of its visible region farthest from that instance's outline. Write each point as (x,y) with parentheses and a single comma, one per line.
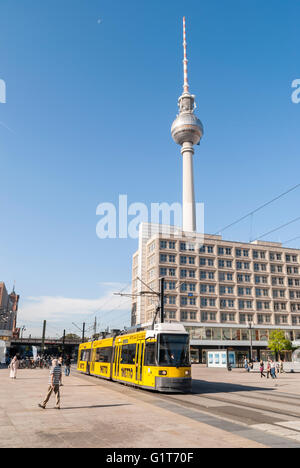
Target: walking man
(268,368)
(68,366)
(273,369)
(54,381)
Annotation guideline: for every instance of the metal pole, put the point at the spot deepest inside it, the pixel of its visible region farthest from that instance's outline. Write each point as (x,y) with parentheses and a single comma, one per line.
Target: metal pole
(250,328)
(63,345)
(83,330)
(43,337)
(162,297)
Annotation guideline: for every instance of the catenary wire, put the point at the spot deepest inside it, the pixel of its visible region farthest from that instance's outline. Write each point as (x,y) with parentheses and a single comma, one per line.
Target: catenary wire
(257,209)
(277,229)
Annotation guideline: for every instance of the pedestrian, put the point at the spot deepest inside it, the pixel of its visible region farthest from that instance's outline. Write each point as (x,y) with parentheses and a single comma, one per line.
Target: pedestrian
(68,366)
(281,366)
(261,369)
(268,368)
(60,363)
(14,365)
(246,365)
(54,381)
(273,369)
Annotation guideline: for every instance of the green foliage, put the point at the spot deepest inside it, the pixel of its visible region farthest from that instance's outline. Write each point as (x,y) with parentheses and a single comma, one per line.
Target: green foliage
(278,342)
(72,336)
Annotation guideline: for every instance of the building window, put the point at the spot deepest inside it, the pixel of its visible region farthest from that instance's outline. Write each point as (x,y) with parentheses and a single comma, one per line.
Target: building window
(183,300)
(183,315)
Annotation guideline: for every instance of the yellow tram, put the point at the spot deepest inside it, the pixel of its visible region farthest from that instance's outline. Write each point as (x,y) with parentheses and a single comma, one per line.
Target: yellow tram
(157,359)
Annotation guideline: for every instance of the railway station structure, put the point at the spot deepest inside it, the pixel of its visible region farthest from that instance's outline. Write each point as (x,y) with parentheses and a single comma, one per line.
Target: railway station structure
(229,295)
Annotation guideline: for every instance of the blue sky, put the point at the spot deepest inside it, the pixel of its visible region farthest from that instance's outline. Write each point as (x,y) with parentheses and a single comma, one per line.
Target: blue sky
(92,91)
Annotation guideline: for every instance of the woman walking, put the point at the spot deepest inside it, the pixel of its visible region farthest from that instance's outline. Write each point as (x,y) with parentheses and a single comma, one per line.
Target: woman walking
(14,365)
(268,369)
(261,369)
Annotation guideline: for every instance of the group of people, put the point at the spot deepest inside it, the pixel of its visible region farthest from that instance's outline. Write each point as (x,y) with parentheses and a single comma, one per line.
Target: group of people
(55,377)
(17,362)
(272,368)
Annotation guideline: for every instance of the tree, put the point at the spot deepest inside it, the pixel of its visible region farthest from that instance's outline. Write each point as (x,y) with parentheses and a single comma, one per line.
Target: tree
(278,342)
(72,336)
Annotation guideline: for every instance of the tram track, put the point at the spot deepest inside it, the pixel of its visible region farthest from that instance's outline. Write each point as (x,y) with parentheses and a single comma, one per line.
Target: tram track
(237,417)
(152,397)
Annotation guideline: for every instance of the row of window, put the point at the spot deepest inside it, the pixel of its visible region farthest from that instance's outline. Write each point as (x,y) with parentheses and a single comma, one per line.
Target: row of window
(229,303)
(207,316)
(242,291)
(191,247)
(201,333)
(241,278)
(191,260)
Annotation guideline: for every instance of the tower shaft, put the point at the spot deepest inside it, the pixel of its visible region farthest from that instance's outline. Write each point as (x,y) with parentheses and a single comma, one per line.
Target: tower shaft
(188,191)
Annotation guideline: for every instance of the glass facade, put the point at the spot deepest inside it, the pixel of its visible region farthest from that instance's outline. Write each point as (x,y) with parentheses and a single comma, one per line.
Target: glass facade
(236,334)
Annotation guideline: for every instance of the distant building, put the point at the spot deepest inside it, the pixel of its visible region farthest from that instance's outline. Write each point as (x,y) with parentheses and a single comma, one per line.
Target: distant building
(8,313)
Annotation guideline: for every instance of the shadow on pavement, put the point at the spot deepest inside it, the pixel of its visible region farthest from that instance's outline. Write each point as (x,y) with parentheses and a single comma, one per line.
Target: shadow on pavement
(93,406)
(205,387)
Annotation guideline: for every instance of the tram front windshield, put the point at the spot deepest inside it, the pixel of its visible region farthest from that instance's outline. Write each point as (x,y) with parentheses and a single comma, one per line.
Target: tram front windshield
(173,350)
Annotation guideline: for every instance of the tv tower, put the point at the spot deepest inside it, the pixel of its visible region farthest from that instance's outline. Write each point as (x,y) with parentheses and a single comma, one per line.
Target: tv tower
(187,131)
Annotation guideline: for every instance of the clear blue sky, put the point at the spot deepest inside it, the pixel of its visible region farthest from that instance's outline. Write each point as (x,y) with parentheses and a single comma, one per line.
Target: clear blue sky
(92,90)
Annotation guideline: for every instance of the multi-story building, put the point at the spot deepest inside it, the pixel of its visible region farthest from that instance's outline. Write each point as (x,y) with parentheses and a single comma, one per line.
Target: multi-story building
(8,313)
(220,290)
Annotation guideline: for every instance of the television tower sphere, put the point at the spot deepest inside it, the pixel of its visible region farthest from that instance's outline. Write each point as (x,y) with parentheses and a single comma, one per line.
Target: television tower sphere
(187,127)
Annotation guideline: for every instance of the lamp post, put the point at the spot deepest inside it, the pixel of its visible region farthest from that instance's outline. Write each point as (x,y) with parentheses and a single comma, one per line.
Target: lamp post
(250,327)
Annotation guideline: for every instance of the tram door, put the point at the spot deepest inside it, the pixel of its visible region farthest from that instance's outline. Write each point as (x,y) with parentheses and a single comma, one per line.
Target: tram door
(117,361)
(88,361)
(139,362)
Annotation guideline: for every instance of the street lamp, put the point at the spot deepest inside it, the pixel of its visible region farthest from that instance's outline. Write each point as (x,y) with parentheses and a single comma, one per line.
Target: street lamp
(250,328)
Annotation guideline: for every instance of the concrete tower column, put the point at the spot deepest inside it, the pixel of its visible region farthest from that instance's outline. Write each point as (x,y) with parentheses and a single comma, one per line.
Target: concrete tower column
(188,192)
(187,131)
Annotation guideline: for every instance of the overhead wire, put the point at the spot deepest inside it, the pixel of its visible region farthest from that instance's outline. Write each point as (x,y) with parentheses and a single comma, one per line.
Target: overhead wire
(258,209)
(277,229)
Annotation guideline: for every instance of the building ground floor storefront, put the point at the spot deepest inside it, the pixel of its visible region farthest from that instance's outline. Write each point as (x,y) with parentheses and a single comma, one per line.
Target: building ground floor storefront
(220,356)
(237,342)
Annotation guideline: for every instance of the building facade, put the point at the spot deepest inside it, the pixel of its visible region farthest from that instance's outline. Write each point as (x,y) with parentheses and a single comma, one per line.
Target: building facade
(220,290)
(8,314)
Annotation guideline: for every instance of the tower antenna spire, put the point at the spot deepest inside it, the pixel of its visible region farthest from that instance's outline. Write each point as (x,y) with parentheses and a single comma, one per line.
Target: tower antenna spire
(185,61)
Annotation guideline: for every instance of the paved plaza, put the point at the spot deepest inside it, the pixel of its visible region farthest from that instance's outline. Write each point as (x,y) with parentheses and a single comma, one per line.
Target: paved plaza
(226,409)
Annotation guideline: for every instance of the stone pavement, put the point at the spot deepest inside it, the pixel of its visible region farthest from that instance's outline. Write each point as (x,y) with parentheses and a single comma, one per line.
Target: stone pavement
(95,413)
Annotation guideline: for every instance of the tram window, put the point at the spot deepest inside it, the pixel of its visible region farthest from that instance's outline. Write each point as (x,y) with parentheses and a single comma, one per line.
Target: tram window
(150,354)
(128,354)
(174,350)
(85,354)
(103,354)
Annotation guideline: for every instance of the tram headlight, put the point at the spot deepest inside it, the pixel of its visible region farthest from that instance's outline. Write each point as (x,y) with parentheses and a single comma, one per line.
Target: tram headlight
(162,372)
(187,372)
